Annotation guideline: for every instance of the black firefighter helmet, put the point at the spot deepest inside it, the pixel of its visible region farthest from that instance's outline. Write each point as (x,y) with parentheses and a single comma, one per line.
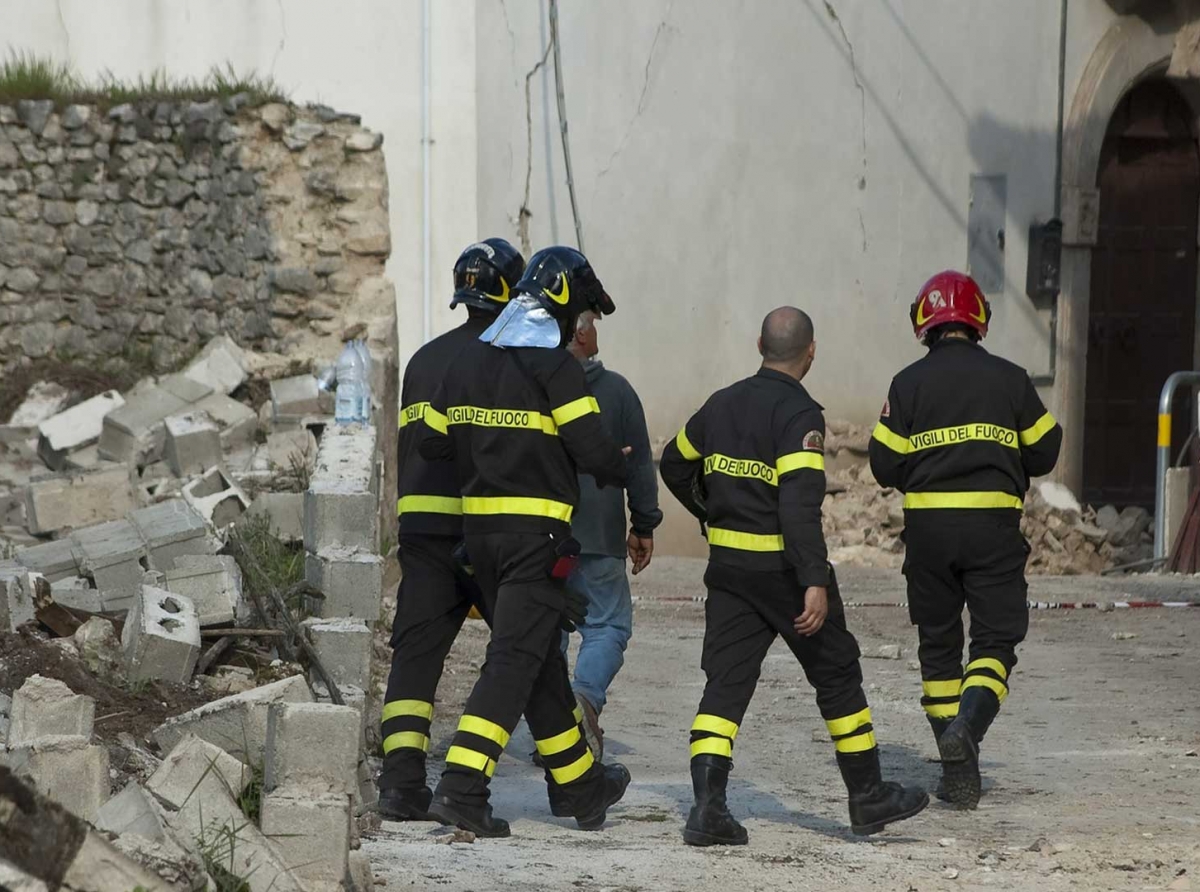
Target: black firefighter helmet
(564,283)
(485,273)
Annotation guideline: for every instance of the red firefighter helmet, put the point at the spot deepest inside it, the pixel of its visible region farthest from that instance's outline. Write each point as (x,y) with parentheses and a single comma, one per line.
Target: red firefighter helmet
(950,297)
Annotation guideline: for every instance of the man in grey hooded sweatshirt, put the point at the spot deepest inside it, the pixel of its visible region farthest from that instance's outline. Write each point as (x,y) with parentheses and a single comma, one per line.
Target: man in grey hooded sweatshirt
(600,526)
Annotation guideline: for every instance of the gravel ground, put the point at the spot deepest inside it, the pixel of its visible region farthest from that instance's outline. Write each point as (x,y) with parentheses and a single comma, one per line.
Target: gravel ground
(1092,777)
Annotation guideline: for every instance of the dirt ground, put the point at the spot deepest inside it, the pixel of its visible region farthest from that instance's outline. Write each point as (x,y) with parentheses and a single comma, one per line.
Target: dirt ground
(1091,774)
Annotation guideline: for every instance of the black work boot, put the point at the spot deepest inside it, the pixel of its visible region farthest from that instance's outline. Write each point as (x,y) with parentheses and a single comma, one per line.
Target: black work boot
(709,822)
(875,803)
(939,727)
(959,746)
(405,804)
(476,818)
(614,779)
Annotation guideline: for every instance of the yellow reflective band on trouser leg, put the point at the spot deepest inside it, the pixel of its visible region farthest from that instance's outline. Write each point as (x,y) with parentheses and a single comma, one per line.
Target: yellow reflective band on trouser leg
(712,746)
(859,743)
(999,688)
(852,733)
(483,728)
(848,724)
(941,710)
(559,742)
(714,724)
(989,663)
(405,740)
(947,688)
(396,708)
(460,755)
(575,770)
(578,713)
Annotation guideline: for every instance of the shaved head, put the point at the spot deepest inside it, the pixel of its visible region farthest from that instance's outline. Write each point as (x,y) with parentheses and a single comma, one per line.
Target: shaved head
(787,333)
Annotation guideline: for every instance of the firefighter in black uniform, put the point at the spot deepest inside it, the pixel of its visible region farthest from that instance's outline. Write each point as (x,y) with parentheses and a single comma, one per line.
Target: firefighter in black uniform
(435,595)
(515,415)
(750,466)
(961,434)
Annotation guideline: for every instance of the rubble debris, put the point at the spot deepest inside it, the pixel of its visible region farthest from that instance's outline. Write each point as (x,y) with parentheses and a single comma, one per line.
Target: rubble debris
(75,428)
(344,647)
(213,583)
(295,816)
(293,398)
(284,512)
(65,768)
(291,448)
(217,498)
(134,432)
(237,422)
(314,745)
(220,365)
(161,637)
(99,647)
(350,579)
(171,529)
(133,810)
(43,401)
(193,443)
(192,770)
(45,707)
(74,500)
(361,874)
(187,389)
(114,556)
(341,506)
(55,560)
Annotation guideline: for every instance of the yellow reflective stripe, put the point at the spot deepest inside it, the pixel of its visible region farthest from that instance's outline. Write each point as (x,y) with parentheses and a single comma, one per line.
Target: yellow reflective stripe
(420,708)
(794,461)
(999,688)
(428,505)
(517,505)
(559,742)
(963,433)
(859,743)
(578,713)
(890,439)
(848,724)
(714,724)
(750,468)
(918,500)
(686,449)
(942,710)
(412,412)
(585,405)
(1040,428)
(712,746)
(941,688)
(483,728)
(460,755)
(435,419)
(406,739)
(744,541)
(575,770)
(516,419)
(1164,430)
(988,663)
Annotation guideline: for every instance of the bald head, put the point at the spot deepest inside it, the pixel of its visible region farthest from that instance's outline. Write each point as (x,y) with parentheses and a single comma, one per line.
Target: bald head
(787,333)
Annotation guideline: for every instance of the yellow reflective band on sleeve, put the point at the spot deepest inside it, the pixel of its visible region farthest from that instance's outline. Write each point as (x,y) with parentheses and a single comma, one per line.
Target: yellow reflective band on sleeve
(750,468)
(516,419)
(686,449)
(859,743)
(483,728)
(890,439)
(941,688)
(585,405)
(412,412)
(1040,428)
(714,724)
(744,541)
(848,724)
(986,681)
(517,505)
(578,713)
(395,709)
(1164,430)
(559,742)
(977,431)
(428,505)
(406,739)
(575,770)
(712,746)
(988,663)
(795,461)
(435,419)
(942,710)
(921,500)
(460,755)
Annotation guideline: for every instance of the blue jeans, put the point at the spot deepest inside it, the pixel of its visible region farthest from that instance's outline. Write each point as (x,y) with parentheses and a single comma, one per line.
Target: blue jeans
(608,627)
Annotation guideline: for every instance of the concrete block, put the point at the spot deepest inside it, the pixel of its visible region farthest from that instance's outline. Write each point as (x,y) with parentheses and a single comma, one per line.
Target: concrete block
(186,388)
(291,448)
(344,647)
(356,699)
(171,529)
(76,592)
(55,560)
(361,874)
(114,556)
(65,769)
(221,365)
(45,707)
(350,579)
(293,818)
(86,459)
(237,724)
(217,498)
(100,867)
(135,811)
(135,432)
(214,584)
(18,591)
(193,443)
(314,745)
(293,398)
(284,512)
(192,770)
(237,421)
(161,638)
(75,428)
(341,505)
(78,499)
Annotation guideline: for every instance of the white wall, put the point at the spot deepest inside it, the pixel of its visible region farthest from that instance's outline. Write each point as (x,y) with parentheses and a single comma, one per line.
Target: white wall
(362,56)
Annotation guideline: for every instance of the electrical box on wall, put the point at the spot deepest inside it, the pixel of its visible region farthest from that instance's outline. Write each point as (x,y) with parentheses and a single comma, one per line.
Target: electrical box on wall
(1045,261)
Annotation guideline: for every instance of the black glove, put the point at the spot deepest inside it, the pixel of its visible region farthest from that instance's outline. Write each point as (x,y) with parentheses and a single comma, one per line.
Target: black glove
(575,608)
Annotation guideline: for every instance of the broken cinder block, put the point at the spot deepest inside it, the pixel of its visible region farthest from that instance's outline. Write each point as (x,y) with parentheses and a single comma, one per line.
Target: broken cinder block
(114,556)
(75,428)
(284,512)
(18,592)
(341,506)
(293,817)
(65,769)
(293,398)
(237,422)
(217,498)
(193,443)
(78,500)
(135,431)
(171,529)
(351,580)
(343,645)
(55,560)
(133,810)
(220,365)
(213,582)
(161,637)
(314,745)
(46,707)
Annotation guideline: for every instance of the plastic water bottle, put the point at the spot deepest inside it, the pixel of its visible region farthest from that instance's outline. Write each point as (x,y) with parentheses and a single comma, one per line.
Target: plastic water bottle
(364,356)
(347,406)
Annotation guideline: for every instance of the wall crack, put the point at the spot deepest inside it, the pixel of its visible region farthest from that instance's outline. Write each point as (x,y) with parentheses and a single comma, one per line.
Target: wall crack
(862,109)
(524,213)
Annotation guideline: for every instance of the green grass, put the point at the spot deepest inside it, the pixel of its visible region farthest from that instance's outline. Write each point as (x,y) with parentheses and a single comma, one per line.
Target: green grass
(268,562)
(24,75)
(250,800)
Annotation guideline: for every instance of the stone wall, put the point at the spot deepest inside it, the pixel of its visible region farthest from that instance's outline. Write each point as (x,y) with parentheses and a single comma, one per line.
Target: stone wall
(157,225)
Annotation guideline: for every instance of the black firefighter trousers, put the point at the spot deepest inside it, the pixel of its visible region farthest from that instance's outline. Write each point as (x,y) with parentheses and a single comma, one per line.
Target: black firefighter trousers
(524,670)
(744,613)
(974,558)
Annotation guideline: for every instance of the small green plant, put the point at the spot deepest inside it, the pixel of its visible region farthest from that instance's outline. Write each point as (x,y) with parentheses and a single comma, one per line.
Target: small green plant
(138,687)
(250,799)
(267,563)
(217,845)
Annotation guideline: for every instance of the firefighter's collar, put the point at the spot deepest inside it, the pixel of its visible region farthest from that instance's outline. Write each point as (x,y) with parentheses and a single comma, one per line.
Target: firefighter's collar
(523,323)
(775,375)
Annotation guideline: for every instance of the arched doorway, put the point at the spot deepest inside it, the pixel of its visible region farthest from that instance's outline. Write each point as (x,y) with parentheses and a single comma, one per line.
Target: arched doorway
(1142,313)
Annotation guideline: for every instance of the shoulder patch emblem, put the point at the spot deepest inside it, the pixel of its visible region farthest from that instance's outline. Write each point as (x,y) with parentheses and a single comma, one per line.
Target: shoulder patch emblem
(886,411)
(814,440)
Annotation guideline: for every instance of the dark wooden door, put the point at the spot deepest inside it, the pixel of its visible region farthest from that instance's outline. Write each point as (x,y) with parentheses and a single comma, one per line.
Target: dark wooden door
(1143,304)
